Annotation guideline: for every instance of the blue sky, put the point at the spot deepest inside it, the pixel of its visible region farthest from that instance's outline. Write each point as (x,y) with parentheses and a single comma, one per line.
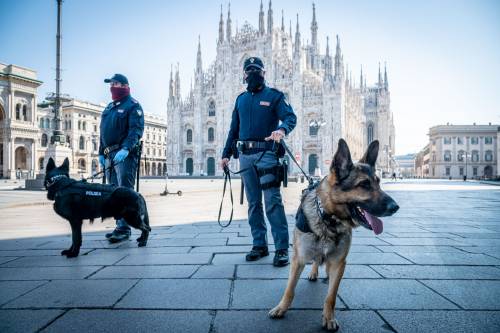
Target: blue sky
(443,57)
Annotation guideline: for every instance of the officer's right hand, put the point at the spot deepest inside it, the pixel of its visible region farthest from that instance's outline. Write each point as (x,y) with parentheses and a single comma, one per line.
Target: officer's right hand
(224,162)
(102,160)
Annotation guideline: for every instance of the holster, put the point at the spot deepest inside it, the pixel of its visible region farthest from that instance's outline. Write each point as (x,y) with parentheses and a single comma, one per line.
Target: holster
(280,173)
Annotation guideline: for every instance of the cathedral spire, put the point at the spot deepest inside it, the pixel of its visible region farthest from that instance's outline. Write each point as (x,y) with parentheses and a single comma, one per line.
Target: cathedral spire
(379,77)
(338,60)
(177,83)
(361,79)
(297,37)
(261,20)
(199,67)
(328,59)
(228,23)
(171,84)
(270,19)
(327,45)
(314,29)
(221,27)
(282,21)
(290,29)
(386,83)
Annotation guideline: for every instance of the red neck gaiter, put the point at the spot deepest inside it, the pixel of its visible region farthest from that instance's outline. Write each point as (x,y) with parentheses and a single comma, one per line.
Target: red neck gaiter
(118,93)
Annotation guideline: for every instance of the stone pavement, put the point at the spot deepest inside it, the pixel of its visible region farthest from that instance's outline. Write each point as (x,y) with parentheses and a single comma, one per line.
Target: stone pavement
(436,268)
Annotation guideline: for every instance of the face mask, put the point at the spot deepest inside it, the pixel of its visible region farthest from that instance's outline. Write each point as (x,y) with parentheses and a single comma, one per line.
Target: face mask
(255,81)
(118,93)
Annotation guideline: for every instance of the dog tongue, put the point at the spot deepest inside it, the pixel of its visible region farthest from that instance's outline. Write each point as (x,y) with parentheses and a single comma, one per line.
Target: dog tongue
(375,222)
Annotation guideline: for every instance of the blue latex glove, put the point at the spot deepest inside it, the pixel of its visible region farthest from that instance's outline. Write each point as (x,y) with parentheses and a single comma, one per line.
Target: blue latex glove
(102,160)
(120,156)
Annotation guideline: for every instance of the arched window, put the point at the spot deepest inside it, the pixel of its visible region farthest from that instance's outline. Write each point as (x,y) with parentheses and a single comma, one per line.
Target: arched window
(18,111)
(460,156)
(81,143)
(44,140)
(488,156)
(189,136)
(369,132)
(313,130)
(82,165)
(447,156)
(211,108)
(25,112)
(211,134)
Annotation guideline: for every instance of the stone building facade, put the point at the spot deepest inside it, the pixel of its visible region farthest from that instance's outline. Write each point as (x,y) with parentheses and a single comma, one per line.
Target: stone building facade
(459,150)
(26,129)
(319,86)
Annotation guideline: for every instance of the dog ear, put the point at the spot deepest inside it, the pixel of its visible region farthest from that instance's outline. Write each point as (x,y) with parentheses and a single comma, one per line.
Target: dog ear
(50,165)
(370,156)
(342,162)
(65,165)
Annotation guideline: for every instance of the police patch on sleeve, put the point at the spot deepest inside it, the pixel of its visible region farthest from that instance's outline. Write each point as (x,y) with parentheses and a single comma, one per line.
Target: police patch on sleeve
(139,112)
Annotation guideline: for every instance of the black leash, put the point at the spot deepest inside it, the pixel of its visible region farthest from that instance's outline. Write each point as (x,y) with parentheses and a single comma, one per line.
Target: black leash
(289,152)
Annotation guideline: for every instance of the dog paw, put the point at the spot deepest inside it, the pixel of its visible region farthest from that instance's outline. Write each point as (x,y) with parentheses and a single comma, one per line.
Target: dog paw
(72,254)
(142,243)
(65,252)
(277,312)
(313,276)
(331,324)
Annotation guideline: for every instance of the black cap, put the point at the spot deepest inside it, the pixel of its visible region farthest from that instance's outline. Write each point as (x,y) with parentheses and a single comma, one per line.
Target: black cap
(253,62)
(117,78)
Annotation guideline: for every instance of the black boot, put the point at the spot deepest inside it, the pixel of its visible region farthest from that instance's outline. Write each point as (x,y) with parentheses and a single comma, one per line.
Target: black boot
(257,252)
(119,235)
(280,258)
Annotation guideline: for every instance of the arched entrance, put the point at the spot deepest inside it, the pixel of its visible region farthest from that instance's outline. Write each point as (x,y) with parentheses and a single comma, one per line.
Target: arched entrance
(313,163)
(211,166)
(189,166)
(21,158)
(82,165)
(488,172)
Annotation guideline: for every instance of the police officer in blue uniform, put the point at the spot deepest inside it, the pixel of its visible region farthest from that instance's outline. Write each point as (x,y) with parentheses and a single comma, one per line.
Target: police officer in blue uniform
(260,119)
(122,126)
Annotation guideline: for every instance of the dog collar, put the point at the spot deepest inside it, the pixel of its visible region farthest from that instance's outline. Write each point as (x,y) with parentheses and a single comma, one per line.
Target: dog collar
(53,180)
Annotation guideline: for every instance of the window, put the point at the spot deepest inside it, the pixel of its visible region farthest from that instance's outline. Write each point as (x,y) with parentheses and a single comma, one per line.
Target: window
(447,156)
(474,140)
(448,171)
(94,144)
(211,108)
(447,140)
(488,156)
(25,112)
(47,123)
(44,140)
(211,135)
(433,156)
(41,163)
(488,140)
(95,128)
(474,171)
(68,140)
(189,136)
(84,125)
(41,123)
(313,130)
(81,143)
(460,141)
(82,165)
(18,111)
(474,156)
(369,132)
(461,171)
(460,156)
(79,124)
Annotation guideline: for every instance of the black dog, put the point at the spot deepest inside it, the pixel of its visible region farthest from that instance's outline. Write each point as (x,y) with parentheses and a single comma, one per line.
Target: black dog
(79,200)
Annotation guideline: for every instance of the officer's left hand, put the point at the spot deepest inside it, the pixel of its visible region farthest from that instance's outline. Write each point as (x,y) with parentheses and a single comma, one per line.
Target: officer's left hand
(120,156)
(276,135)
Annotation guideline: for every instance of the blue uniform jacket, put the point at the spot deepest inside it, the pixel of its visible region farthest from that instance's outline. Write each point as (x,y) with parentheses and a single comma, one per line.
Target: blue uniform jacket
(122,122)
(256,115)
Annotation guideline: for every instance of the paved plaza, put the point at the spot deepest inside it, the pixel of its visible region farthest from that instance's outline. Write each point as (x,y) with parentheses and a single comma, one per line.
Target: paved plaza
(435,268)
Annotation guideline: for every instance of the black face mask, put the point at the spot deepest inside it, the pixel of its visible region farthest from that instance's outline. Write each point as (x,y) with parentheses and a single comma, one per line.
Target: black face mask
(255,81)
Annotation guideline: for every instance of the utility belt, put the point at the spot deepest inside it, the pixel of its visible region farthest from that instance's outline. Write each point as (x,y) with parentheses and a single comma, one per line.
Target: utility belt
(108,150)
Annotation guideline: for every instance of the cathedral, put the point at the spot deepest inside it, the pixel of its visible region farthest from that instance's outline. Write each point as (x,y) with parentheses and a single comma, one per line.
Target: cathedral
(320,88)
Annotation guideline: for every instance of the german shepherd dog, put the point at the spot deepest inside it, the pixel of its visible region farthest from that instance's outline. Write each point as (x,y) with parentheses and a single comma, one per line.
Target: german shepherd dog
(79,200)
(350,196)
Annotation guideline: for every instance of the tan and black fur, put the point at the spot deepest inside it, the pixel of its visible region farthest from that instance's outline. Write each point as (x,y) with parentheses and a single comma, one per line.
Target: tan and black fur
(348,189)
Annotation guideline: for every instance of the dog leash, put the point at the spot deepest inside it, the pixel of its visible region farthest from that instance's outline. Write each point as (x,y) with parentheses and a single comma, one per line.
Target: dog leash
(290,153)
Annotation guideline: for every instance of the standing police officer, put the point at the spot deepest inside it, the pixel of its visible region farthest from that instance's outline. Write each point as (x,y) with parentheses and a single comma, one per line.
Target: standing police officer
(122,125)
(256,130)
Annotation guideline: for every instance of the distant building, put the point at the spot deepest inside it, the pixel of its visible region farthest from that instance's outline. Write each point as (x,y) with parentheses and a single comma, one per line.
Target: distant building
(26,129)
(463,150)
(422,162)
(329,101)
(405,165)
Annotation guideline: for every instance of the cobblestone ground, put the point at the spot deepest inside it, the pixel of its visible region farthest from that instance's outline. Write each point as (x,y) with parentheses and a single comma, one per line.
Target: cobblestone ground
(436,267)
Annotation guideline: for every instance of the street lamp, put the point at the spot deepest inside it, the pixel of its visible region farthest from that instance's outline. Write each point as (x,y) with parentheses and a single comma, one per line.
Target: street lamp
(464,155)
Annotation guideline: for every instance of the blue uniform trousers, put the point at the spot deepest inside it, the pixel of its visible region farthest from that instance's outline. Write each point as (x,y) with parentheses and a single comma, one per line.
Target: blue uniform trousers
(275,211)
(122,174)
